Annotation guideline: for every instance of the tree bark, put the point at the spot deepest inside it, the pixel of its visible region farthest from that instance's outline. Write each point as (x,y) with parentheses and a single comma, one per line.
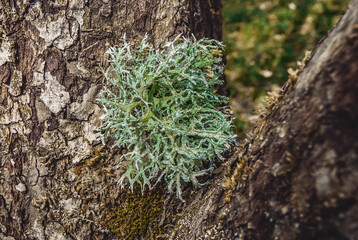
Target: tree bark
(296,175)
(299,163)
(51,56)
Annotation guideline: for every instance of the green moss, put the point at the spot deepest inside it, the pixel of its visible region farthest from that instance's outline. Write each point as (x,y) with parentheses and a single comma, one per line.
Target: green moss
(137,215)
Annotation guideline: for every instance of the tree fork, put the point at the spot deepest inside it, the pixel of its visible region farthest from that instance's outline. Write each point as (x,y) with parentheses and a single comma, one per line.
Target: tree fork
(56,182)
(300,159)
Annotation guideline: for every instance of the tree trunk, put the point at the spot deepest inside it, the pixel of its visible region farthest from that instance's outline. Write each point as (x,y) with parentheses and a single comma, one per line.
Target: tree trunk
(296,174)
(300,162)
(50,73)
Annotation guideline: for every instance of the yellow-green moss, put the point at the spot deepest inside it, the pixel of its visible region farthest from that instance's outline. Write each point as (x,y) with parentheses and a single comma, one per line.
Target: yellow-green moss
(137,214)
(241,171)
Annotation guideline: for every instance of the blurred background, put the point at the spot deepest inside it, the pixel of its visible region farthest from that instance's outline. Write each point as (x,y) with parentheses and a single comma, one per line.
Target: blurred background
(265,38)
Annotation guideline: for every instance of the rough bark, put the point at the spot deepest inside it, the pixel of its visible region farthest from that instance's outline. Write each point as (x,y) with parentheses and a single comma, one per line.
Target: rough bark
(300,162)
(50,58)
(296,175)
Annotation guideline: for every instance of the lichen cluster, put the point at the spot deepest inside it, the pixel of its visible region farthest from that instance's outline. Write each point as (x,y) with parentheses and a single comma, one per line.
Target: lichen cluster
(161,106)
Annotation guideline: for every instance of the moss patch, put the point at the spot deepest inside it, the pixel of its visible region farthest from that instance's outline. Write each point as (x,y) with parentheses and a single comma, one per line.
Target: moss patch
(137,214)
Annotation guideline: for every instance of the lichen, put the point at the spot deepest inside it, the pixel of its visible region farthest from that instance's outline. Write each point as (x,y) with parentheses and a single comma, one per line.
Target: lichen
(161,106)
(55,96)
(131,214)
(11,13)
(61,29)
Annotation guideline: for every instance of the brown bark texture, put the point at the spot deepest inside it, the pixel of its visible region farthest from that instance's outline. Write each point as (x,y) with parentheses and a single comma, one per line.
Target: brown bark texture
(55,180)
(294,177)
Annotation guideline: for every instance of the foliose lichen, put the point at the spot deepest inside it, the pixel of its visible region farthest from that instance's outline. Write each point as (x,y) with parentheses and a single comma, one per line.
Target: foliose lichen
(161,106)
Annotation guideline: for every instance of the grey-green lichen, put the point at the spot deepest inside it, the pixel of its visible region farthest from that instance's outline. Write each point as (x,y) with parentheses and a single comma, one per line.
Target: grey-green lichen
(161,106)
